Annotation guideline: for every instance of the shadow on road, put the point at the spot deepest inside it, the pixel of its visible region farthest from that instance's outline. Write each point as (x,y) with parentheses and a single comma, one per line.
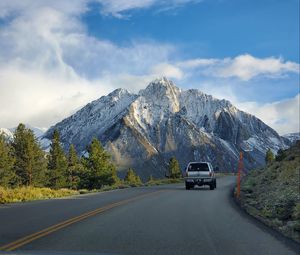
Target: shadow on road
(182,188)
(199,189)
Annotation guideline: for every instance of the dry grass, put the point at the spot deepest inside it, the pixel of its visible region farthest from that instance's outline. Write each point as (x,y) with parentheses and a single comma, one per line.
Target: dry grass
(8,195)
(22,194)
(163,181)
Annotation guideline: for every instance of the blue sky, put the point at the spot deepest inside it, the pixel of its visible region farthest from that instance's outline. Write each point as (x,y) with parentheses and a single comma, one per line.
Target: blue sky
(56,56)
(214,29)
(209,29)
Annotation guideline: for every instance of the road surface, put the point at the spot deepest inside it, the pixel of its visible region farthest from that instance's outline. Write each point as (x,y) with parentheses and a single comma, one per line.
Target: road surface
(147,220)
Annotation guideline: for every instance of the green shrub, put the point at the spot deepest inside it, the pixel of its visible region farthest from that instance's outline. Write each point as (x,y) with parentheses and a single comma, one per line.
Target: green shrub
(272,193)
(132,178)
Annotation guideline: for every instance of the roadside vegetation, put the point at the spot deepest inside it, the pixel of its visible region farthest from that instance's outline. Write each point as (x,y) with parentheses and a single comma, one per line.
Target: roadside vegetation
(29,173)
(21,194)
(174,171)
(153,182)
(272,194)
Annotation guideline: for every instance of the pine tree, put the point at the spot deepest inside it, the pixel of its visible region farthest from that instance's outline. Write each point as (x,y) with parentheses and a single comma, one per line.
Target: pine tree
(138,180)
(174,169)
(74,169)
(269,156)
(30,162)
(57,164)
(100,169)
(7,174)
(132,178)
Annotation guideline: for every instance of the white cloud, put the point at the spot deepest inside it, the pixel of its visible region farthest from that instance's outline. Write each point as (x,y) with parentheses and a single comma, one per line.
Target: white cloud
(247,67)
(168,70)
(131,82)
(117,8)
(244,67)
(17,7)
(197,62)
(50,66)
(39,99)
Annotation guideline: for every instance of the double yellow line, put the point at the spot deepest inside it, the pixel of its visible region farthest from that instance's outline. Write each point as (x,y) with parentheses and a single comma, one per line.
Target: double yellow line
(27,239)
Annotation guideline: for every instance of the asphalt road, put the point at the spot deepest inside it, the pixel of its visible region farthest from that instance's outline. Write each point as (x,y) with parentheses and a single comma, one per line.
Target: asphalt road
(147,220)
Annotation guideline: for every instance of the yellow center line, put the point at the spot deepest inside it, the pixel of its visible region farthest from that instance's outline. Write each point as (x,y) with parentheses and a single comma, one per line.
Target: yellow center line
(27,239)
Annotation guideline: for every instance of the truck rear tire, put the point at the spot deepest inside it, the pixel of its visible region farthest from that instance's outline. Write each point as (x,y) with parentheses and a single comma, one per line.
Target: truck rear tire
(212,186)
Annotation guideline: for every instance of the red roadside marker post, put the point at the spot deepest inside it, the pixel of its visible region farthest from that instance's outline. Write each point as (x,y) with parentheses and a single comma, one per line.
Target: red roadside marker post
(240,168)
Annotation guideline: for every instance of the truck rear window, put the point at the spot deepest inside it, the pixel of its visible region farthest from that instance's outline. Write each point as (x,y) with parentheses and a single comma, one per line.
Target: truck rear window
(198,167)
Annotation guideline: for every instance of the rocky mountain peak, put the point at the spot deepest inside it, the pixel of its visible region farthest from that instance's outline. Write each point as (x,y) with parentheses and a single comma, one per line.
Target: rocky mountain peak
(162,93)
(163,82)
(144,130)
(118,93)
(160,87)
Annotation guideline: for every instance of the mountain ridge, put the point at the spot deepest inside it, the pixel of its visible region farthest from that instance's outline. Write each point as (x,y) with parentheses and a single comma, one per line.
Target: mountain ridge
(9,132)
(143,130)
(292,137)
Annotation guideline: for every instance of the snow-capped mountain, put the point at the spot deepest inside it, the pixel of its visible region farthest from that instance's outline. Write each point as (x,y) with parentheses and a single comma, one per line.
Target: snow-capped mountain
(7,133)
(292,137)
(38,132)
(144,130)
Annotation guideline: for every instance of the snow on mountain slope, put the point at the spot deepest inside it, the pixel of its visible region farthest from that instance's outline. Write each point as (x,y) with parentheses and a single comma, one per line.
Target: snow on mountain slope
(38,132)
(143,130)
(93,119)
(7,133)
(292,137)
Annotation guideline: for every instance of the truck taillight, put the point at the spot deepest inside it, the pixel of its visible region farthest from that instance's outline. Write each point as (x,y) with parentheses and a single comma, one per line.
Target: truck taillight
(210,173)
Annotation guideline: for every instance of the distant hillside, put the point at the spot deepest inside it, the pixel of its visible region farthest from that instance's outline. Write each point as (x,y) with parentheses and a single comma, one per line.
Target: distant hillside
(38,132)
(9,132)
(292,137)
(272,193)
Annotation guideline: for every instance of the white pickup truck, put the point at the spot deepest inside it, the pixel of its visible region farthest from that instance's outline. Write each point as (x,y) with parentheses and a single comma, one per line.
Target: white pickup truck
(200,173)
